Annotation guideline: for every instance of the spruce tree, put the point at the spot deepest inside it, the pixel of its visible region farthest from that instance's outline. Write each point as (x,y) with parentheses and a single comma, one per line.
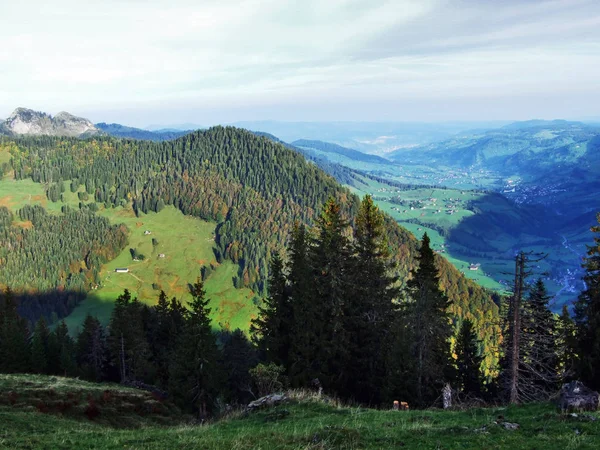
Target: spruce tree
(587,315)
(333,284)
(540,377)
(39,347)
(306,329)
(238,357)
(128,343)
(468,360)
(566,344)
(429,325)
(271,329)
(157,335)
(530,359)
(61,351)
(91,350)
(369,312)
(15,352)
(194,375)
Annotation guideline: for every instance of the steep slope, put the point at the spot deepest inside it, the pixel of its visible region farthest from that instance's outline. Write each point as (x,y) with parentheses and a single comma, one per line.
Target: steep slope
(25,121)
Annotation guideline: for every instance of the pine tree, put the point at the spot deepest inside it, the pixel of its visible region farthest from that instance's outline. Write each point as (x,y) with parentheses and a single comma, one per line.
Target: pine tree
(39,347)
(468,360)
(193,376)
(15,351)
(369,313)
(429,325)
(587,315)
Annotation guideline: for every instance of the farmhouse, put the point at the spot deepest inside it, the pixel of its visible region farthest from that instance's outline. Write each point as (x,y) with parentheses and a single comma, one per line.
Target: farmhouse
(122,270)
(147,232)
(474,266)
(161,255)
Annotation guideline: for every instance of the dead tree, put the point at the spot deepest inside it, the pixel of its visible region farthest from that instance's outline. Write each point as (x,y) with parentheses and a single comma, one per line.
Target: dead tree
(530,356)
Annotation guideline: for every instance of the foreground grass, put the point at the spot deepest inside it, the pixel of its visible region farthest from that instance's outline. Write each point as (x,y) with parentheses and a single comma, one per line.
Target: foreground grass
(302,423)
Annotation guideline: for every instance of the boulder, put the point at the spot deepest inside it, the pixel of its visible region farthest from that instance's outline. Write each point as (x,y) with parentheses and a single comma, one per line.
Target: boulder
(575,396)
(267,400)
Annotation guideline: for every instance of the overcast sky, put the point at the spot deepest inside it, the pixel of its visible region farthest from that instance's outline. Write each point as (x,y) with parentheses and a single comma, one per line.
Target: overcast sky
(140,62)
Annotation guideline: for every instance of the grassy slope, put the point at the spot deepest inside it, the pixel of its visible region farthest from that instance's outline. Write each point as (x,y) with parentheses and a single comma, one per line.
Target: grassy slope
(186,241)
(299,424)
(381,194)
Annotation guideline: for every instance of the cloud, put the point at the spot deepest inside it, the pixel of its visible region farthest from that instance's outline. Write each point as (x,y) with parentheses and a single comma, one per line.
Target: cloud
(269,56)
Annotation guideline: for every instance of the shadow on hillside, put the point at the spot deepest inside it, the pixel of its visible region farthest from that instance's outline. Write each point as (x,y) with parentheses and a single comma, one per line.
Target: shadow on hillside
(497,227)
(53,305)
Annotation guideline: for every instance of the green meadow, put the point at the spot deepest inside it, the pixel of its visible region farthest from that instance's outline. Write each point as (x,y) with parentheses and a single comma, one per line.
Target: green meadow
(183,245)
(54,413)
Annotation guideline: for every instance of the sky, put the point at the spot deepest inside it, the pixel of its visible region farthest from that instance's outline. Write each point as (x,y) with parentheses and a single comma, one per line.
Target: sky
(142,62)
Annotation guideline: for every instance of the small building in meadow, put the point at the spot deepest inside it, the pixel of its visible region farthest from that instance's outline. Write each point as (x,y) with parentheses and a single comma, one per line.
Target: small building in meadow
(122,270)
(474,266)
(147,232)
(161,255)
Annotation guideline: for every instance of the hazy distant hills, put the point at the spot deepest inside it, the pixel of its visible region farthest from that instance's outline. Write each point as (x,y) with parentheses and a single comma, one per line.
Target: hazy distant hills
(522,148)
(25,121)
(338,149)
(117,130)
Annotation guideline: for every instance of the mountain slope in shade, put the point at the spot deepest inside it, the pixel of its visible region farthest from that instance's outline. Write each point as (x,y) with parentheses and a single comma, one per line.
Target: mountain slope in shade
(25,121)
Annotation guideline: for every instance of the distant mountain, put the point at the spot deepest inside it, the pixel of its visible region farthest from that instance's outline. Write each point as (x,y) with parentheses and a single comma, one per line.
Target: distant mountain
(526,149)
(117,130)
(25,121)
(338,149)
(368,137)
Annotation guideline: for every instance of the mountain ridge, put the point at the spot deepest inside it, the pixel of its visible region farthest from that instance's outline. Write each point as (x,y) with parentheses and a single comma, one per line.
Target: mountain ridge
(25,121)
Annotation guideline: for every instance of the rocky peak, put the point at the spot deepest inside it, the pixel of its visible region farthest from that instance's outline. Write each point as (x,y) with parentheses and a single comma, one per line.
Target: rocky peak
(27,121)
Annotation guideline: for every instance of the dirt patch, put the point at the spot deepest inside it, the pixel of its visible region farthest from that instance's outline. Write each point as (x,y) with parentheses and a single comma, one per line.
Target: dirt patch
(26,225)
(6,201)
(139,224)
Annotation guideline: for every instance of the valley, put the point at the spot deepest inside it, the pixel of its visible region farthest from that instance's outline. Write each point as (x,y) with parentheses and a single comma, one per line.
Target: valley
(483,197)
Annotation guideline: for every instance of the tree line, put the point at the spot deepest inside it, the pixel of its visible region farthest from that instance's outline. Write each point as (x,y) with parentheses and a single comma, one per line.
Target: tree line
(336,318)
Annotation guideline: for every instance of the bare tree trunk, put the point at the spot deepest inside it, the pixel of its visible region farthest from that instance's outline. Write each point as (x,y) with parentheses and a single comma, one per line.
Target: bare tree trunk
(516,328)
(123,371)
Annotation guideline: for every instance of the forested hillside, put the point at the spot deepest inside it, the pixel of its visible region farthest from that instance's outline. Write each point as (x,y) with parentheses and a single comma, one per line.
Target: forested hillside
(254,189)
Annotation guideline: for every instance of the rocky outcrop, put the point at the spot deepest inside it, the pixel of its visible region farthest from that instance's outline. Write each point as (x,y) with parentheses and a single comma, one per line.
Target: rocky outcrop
(25,121)
(266,401)
(575,396)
